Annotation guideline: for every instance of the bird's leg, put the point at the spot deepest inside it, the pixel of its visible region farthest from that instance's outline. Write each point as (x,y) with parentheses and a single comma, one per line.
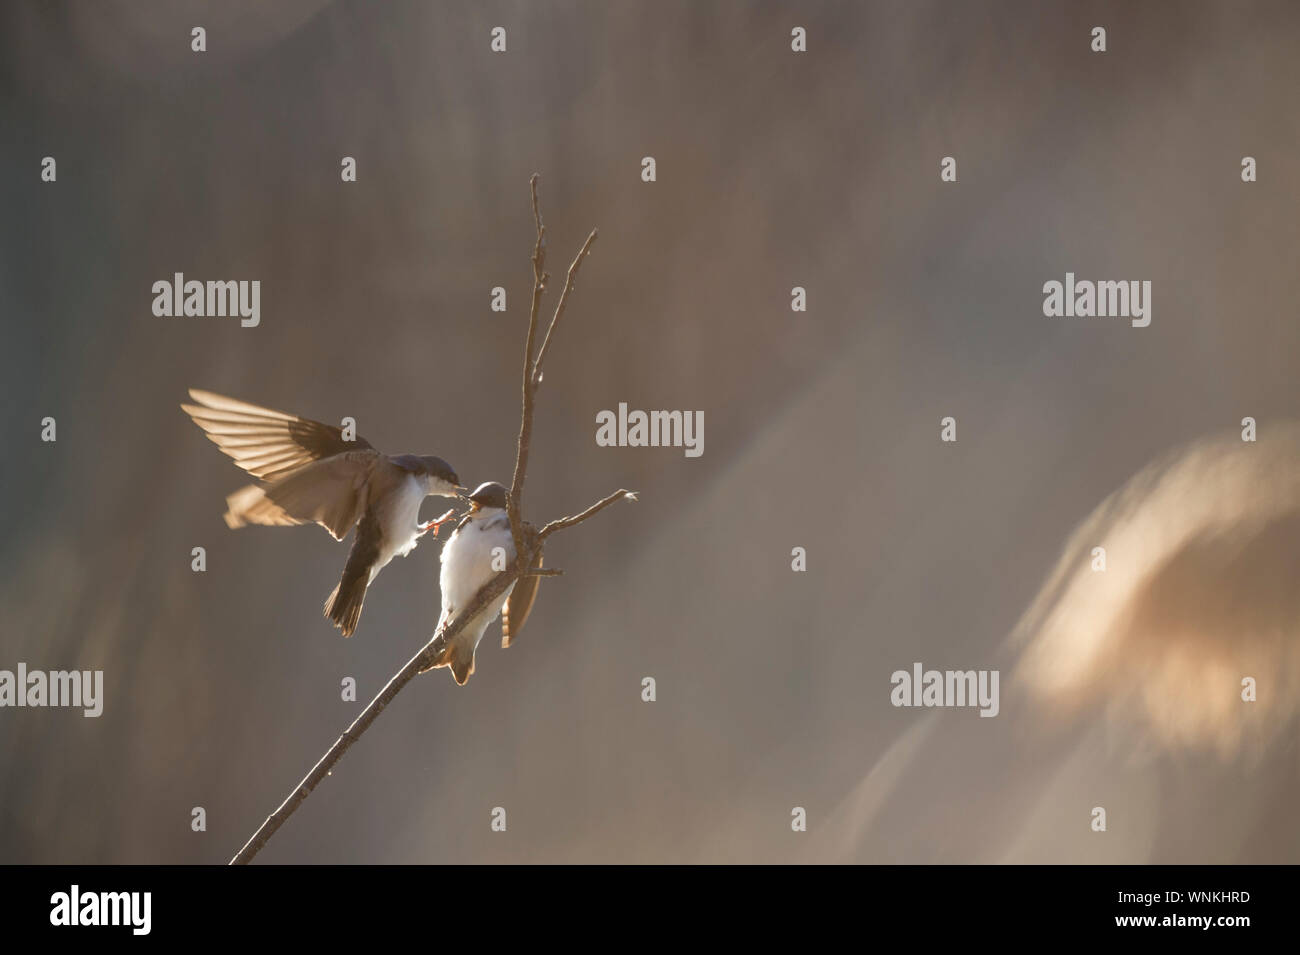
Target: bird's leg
(436,523)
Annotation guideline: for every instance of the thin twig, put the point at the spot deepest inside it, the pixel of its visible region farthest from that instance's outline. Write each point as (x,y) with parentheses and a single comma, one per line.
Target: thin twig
(527,539)
(566,522)
(559,308)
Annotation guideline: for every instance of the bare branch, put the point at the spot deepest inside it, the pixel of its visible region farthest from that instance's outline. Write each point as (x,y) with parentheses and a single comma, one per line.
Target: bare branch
(559,308)
(566,522)
(514,502)
(494,589)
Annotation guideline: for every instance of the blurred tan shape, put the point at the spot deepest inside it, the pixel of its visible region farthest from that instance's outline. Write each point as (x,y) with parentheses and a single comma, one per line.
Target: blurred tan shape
(1200,591)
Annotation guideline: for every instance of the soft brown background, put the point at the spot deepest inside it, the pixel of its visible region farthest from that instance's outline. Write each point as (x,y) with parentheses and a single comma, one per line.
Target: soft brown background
(775,170)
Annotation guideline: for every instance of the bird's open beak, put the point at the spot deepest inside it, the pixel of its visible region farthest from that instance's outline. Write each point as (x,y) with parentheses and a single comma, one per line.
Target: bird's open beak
(463,494)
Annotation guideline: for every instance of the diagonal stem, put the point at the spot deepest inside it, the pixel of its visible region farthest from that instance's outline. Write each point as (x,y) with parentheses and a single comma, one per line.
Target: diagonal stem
(566,522)
(536,378)
(490,592)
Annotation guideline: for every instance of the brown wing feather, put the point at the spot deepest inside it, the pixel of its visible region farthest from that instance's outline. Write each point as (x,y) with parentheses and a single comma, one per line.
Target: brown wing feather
(332,493)
(519,604)
(250,505)
(267,444)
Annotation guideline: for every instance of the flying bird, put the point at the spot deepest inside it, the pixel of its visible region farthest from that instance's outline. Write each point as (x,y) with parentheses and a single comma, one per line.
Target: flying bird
(467,565)
(310,473)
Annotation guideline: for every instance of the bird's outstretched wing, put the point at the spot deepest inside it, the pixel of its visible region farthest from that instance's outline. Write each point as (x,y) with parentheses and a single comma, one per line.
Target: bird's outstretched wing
(332,493)
(269,445)
(519,604)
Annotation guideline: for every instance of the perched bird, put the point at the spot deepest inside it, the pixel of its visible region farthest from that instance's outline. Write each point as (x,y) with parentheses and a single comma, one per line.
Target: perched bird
(310,473)
(467,565)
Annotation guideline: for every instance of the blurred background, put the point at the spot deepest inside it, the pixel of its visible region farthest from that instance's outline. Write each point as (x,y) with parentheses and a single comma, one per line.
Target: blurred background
(774,170)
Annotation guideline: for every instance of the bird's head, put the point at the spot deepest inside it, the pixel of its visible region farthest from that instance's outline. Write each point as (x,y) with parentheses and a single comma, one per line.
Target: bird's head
(442,479)
(486,495)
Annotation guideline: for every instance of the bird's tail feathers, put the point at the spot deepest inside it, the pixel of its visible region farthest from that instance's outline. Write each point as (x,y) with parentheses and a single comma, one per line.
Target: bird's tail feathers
(343,605)
(456,655)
